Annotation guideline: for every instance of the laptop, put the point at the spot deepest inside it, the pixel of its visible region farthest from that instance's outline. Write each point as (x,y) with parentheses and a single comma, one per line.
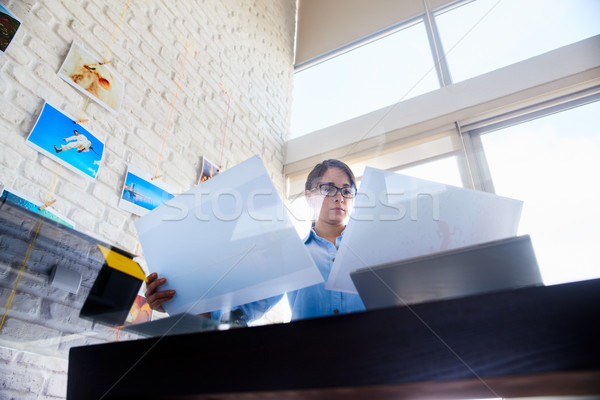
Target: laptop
(483,268)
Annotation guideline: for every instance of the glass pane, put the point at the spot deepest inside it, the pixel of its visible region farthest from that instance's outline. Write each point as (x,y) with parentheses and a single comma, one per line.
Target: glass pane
(381,73)
(444,170)
(50,274)
(552,164)
(485,35)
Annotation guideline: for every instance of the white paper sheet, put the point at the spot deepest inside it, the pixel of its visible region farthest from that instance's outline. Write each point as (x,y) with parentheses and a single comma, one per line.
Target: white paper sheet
(396,217)
(227,241)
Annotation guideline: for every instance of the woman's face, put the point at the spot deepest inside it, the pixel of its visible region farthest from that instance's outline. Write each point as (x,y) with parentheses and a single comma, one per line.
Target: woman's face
(331,210)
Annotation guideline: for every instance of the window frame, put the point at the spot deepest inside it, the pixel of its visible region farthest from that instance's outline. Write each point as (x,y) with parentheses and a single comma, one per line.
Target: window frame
(473,132)
(554,79)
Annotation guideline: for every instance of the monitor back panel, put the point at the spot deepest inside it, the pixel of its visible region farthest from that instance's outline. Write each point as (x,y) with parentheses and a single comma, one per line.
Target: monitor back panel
(493,266)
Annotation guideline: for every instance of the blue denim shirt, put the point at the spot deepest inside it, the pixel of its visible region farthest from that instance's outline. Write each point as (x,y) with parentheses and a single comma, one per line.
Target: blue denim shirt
(312,301)
(316,301)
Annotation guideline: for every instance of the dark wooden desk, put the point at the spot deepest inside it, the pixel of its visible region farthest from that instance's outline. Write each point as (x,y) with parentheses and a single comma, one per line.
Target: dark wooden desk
(526,342)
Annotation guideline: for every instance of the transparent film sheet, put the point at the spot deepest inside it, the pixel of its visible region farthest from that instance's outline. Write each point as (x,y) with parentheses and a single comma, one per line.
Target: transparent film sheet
(227,241)
(396,217)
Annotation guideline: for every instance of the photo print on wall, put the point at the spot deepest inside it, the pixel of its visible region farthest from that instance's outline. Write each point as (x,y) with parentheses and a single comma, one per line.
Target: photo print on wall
(8,195)
(207,170)
(57,136)
(140,194)
(9,25)
(84,72)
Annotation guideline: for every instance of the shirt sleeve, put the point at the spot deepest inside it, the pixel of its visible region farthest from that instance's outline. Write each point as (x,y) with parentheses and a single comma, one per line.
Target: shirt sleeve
(251,311)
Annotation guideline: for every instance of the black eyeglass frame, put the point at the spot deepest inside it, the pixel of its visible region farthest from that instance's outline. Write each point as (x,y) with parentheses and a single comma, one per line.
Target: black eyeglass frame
(351,195)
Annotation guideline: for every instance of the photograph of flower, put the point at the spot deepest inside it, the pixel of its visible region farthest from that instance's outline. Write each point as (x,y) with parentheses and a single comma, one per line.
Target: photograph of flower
(9,24)
(57,136)
(140,194)
(208,170)
(84,72)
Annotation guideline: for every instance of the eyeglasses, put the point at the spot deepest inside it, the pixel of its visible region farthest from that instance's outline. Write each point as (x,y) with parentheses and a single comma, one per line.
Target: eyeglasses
(329,190)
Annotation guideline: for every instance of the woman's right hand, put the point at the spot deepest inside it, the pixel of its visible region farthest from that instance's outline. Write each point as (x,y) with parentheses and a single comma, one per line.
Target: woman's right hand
(156,297)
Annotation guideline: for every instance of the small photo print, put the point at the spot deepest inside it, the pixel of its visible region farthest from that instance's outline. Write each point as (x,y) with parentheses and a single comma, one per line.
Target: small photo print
(140,194)
(208,170)
(8,195)
(84,72)
(9,25)
(140,311)
(57,136)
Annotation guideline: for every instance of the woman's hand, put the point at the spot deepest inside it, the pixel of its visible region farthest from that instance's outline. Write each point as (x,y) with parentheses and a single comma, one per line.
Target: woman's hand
(155,297)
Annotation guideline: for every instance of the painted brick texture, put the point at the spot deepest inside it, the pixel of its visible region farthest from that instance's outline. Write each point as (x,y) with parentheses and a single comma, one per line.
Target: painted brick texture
(236,51)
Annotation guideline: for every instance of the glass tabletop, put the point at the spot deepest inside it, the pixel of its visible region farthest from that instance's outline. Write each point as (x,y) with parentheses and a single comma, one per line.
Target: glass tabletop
(57,292)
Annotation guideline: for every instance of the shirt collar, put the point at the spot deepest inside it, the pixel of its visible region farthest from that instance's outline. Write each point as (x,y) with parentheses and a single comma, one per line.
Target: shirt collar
(312,235)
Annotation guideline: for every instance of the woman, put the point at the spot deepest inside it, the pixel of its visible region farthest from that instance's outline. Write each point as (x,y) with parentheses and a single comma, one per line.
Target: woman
(330,190)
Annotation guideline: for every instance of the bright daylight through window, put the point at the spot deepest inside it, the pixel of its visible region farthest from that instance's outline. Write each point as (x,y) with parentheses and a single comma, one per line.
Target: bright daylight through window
(477,37)
(551,164)
(444,170)
(384,72)
(485,35)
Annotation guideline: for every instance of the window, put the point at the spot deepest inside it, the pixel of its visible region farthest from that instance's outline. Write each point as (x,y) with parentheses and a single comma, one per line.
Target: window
(376,75)
(444,170)
(552,164)
(485,35)
(547,162)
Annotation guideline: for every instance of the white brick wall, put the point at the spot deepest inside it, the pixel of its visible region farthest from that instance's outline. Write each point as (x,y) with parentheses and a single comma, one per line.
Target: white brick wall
(245,46)
(46,377)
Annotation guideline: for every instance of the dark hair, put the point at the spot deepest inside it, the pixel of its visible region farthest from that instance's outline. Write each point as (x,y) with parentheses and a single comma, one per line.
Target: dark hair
(319,170)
